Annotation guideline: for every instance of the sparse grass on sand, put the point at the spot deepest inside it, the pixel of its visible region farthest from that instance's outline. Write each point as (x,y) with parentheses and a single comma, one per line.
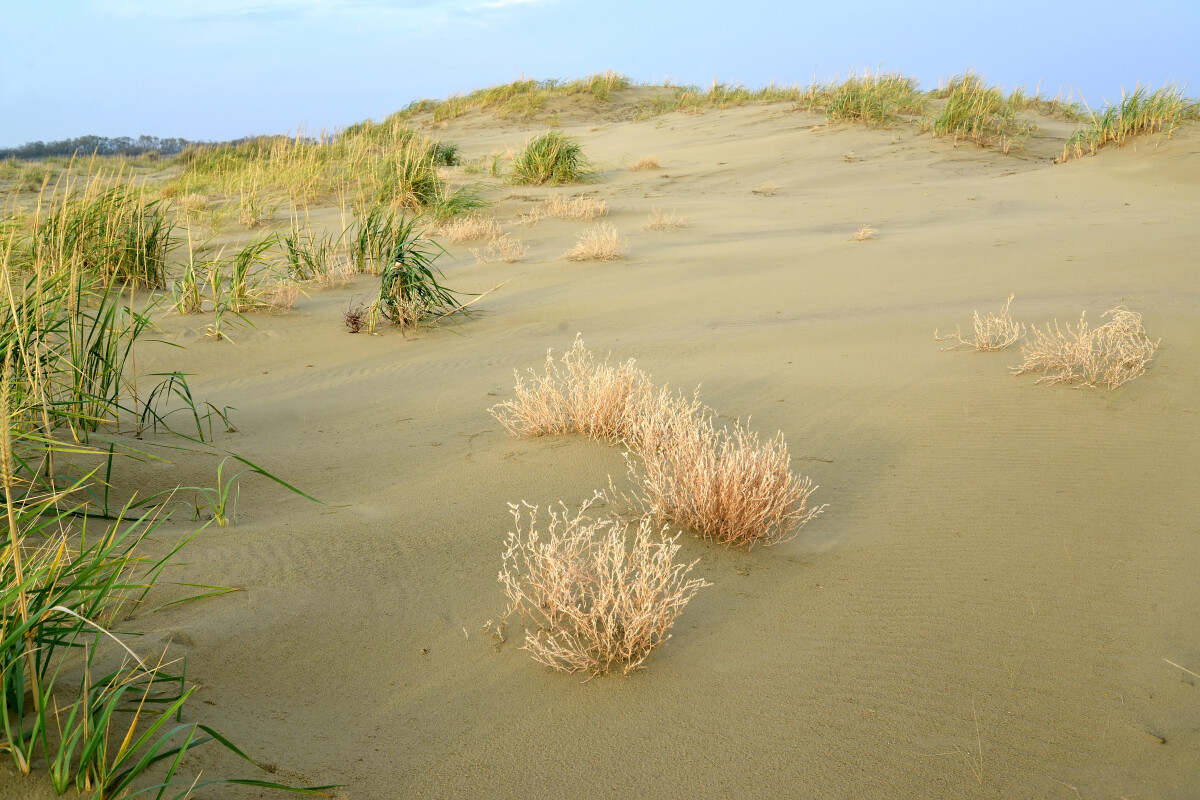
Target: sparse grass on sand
(561,207)
(470,227)
(600,242)
(644,163)
(660,220)
(721,484)
(592,599)
(976,112)
(550,158)
(993,332)
(1140,112)
(506,248)
(1110,355)
(522,98)
(865,232)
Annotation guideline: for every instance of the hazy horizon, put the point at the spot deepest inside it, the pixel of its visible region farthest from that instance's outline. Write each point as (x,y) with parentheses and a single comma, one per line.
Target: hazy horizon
(229,69)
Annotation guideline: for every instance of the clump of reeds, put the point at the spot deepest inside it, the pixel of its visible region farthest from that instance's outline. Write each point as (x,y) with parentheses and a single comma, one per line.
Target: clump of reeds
(644,163)
(664,221)
(992,332)
(598,243)
(979,113)
(552,158)
(1140,112)
(470,227)
(506,248)
(1116,352)
(874,98)
(591,600)
(409,290)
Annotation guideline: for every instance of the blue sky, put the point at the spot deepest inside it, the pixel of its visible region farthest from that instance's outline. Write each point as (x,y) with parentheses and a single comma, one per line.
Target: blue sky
(209,69)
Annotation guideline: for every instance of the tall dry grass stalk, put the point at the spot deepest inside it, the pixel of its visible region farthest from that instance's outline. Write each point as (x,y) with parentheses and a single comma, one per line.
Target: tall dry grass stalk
(598,243)
(993,332)
(1109,355)
(722,484)
(591,601)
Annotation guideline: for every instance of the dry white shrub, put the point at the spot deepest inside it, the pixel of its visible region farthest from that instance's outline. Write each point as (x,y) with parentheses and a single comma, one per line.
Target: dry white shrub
(561,207)
(576,394)
(1110,355)
(664,221)
(338,275)
(766,189)
(993,332)
(645,162)
(470,228)
(721,484)
(278,298)
(724,485)
(864,233)
(590,601)
(598,243)
(502,248)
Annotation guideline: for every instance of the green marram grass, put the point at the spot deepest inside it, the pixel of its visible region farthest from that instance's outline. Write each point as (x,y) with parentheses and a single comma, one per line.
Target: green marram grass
(976,112)
(1139,112)
(551,158)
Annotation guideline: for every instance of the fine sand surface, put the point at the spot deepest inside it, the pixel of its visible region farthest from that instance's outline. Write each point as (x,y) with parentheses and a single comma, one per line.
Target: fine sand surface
(985,609)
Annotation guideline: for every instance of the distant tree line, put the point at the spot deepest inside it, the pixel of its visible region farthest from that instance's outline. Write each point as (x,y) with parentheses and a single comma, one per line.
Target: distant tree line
(103,145)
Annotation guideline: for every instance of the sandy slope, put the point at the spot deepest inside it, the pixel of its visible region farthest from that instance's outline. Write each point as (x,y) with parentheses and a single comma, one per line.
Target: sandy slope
(984,610)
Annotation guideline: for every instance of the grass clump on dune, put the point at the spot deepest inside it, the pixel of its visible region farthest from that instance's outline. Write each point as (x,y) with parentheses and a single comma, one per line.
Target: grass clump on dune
(1140,112)
(976,112)
(551,158)
(874,99)
(1109,355)
(592,597)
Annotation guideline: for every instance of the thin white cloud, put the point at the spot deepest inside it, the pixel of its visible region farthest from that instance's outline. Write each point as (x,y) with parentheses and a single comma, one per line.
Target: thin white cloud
(494,4)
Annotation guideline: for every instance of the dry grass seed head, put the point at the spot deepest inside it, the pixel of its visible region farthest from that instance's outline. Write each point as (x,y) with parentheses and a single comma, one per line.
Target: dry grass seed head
(502,248)
(592,599)
(1109,355)
(664,221)
(645,162)
(864,233)
(993,332)
(598,243)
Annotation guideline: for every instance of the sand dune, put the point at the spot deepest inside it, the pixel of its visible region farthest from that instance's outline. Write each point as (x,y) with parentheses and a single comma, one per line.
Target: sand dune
(984,610)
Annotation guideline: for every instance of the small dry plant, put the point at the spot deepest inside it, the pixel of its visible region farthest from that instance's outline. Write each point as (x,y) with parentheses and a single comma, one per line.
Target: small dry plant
(501,248)
(1109,355)
(993,332)
(724,485)
(590,599)
(598,243)
(766,189)
(357,316)
(277,298)
(470,227)
(561,207)
(864,233)
(337,276)
(664,221)
(645,162)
